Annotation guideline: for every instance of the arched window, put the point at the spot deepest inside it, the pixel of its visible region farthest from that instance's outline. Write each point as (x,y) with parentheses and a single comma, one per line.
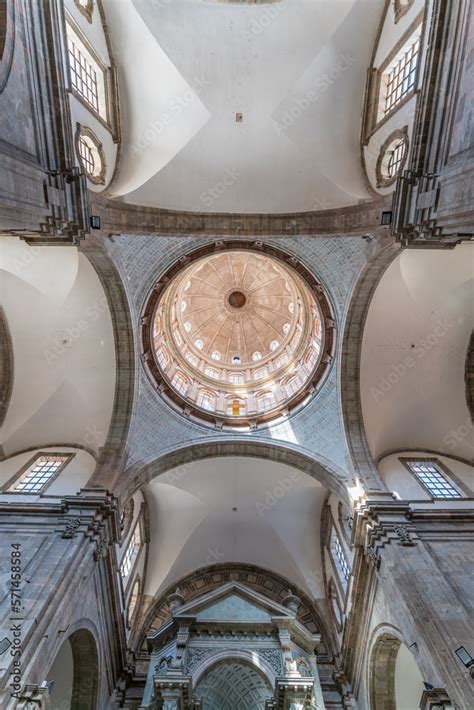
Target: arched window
(207,400)
(311,359)
(266,401)
(163,356)
(236,378)
(282,360)
(292,385)
(192,359)
(211,372)
(260,373)
(180,382)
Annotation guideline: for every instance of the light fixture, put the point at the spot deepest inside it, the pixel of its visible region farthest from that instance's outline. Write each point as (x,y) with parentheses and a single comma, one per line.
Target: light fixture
(464,656)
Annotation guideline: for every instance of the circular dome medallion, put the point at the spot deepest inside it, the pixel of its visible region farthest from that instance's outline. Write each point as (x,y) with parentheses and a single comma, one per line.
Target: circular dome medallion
(237,299)
(236,336)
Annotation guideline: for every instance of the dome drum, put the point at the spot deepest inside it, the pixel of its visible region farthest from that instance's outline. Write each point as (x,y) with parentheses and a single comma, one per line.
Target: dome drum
(234,336)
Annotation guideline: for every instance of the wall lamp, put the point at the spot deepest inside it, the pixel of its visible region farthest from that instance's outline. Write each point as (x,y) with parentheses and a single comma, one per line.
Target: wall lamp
(464,656)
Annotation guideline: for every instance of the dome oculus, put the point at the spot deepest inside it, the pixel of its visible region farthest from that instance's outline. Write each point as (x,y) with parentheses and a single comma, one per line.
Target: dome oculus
(251,345)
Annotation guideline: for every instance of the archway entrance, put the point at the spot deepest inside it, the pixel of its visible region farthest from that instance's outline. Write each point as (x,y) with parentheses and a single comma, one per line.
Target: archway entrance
(233,686)
(397,683)
(75,673)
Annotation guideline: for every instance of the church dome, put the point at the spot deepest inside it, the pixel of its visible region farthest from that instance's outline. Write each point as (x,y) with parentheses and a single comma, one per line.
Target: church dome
(236,336)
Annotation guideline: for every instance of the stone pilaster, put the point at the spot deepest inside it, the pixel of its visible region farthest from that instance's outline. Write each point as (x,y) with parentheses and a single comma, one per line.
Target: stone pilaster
(417,563)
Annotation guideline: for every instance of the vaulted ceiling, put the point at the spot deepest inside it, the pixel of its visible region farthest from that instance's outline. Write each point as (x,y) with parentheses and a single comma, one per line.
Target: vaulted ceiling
(63,348)
(416,340)
(295,71)
(235,509)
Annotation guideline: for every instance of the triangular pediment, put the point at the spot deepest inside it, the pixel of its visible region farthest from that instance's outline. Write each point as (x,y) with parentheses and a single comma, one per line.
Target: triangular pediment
(233,602)
(233,607)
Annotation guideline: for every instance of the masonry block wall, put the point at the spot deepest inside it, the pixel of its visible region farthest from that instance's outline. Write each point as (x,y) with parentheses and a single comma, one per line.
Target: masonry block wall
(58,577)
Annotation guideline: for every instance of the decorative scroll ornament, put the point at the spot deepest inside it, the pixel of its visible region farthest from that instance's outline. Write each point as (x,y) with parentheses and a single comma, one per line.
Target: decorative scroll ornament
(372,556)
(404,536)
(71,527)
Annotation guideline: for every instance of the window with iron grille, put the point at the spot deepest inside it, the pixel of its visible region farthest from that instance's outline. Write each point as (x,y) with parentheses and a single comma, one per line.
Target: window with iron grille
(396,158)
(131,553)
(433,478)
(266,401)
(339,557)
(39,473)
(401,76)
(86,155)
(83,75)
(206,400)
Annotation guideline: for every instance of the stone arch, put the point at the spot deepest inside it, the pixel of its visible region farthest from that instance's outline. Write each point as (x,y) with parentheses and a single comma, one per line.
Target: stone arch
(6,366)
(112,454)
(233,678)
(327,473)
(7,39)
(350,359)
(241,657)
(394,677)
(382,662)
(261,580)
(81,644)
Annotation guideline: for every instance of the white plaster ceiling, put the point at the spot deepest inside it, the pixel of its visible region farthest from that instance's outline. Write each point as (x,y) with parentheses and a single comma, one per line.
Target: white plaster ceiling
(63,348)
(413,354)
(295,70)
(275,526)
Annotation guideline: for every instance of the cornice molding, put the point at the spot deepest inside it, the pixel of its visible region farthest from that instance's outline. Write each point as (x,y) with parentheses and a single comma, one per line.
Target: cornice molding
(124,218)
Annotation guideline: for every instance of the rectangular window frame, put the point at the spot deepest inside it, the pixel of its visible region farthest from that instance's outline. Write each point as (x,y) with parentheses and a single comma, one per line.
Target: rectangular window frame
(374,116)
(126,580)
(400,73)
(107,77)
(445,472)
(15,479)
